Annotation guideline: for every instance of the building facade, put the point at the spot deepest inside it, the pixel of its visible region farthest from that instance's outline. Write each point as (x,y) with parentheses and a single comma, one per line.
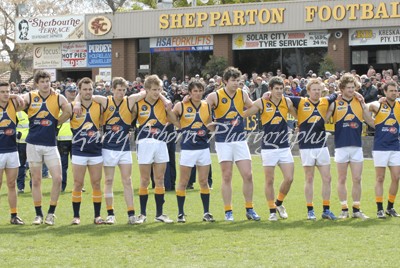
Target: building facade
(292,36)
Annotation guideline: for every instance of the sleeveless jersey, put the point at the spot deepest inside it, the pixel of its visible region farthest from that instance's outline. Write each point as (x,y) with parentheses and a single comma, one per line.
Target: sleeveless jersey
(8,125)
(117,121)
(43,118)
(311,121)
(193,126)
(152,120)
(348,118)
(85,128)
(229,116)
(274,121)
(387,128)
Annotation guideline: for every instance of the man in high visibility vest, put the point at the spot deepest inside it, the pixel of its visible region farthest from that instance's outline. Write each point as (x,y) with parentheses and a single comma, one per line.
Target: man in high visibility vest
(22,132)
(64,138)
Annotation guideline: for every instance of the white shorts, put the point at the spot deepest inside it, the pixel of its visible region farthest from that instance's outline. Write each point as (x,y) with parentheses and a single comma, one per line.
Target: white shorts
(315,157)
(386,158)
(114,158)
(191,158)
(152,151)
(86,160)
(232,151)
(273,157)
(36,154)
(349,154)
(9,160)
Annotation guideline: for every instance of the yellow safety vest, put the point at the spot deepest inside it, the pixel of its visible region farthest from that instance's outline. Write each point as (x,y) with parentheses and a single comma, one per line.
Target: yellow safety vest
(65,133)
(23,126)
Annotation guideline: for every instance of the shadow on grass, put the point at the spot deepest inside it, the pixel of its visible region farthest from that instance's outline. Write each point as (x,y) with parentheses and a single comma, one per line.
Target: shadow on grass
(187,228)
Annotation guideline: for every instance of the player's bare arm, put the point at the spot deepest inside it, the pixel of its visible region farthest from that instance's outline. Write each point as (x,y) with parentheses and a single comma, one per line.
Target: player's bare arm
(329,112)
(254,108)
(367,115)
(292,109)
(66,110)
(134,98)
(212,100)
(247,101)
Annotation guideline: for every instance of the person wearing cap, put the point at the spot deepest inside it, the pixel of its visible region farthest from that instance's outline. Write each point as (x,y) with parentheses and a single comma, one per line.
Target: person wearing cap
(369,91)
(130,90)
(64,138)
(107,90)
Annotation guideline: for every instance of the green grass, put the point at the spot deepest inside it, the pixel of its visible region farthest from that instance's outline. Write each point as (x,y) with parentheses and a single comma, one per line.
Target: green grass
(292,242)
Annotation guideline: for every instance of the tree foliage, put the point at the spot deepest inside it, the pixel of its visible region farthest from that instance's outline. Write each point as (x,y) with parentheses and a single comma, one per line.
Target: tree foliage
(216,65)
(327,65)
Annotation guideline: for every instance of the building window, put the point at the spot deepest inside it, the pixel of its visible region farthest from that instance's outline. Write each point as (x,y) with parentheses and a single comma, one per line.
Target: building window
(359,57)
(387,56)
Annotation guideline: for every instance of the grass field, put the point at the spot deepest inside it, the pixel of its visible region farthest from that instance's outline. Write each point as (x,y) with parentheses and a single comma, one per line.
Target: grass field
(293,242)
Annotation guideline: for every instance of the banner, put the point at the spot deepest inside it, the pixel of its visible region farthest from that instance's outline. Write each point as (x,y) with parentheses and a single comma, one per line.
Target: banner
(280,40)
(47,56)
(104,75)
(182,43)
(99,54)
(374,36)
(74,55)
(49,29)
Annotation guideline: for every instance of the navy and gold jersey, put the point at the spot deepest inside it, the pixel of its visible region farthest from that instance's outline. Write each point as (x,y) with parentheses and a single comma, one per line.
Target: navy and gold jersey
(311,121)
(387,128)
(8,125)
(274,121)
(117,120)
(193,126)
(348,118)
(229,116)
(152,120)
(85,128)
(43,118)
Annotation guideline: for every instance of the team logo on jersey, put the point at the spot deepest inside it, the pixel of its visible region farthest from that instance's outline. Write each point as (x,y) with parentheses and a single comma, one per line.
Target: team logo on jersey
(45,123)
(9,132)
(341,103)
(36,99)
(349,117)
(5,123)
(113,120)
(201,132)
(112,108)
(144,108)
(231,115)
(224,100)
(151,122)
(385,106)
(313,119)
(276,121)
(390,122)
(87,125)
(268,105)
(42,114)
(353,125)
(393,130)
(306,104)
(197,125)
(189,109)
